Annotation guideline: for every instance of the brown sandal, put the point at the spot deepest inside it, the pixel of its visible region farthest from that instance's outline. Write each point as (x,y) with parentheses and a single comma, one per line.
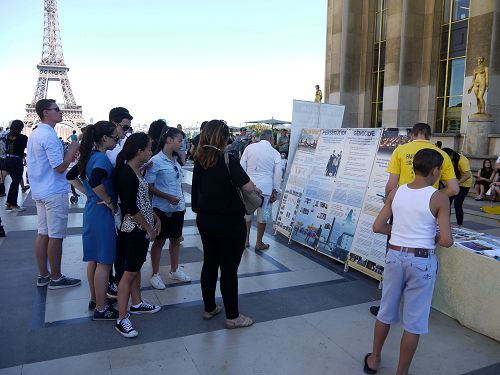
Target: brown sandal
(261,246)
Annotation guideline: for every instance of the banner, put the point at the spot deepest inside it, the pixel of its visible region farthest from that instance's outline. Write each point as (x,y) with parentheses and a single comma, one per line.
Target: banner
(367,253)
(300,170)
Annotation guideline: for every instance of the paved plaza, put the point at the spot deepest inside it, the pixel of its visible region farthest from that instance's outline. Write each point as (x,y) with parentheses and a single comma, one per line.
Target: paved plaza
(311,316)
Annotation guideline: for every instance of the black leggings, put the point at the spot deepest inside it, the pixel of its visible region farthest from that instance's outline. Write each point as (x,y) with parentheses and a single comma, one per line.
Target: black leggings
(15,168)
(223,239)
(459,201)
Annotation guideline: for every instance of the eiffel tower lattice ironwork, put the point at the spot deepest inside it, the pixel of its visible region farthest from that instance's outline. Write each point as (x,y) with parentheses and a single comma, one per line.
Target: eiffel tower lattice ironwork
(53,68)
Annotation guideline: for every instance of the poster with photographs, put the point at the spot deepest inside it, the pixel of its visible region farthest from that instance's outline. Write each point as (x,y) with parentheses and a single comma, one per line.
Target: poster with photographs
(300,171)
(355,163)
(368,249)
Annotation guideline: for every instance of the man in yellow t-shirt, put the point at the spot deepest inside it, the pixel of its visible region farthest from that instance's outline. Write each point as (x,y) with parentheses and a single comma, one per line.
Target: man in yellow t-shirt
(401,163)
(401,167)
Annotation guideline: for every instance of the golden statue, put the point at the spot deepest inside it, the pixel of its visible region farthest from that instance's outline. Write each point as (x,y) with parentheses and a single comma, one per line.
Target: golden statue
(480,84)
(319,95)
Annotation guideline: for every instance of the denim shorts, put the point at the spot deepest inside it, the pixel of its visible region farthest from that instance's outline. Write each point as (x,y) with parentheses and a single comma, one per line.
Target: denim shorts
(412,279)
(52,214)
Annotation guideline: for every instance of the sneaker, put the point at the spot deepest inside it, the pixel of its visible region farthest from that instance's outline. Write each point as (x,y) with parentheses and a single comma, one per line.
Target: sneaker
(157,282)
(13,208)
(43,280)
(240,322)
(64,282)
(109,313)
(92,305)
(2,231)
(209,315)
(179,275)
(125,328)
(112,291)
(144,308)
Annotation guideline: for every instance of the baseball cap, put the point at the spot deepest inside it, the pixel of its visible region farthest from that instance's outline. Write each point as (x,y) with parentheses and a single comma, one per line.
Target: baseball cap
(118,114)
(243,129)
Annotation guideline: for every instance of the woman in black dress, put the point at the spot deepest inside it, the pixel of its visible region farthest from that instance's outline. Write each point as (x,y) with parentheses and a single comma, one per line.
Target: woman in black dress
(220,220)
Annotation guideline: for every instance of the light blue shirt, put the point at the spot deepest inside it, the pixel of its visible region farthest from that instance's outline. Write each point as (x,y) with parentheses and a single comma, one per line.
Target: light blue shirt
(45,152)
(166,176)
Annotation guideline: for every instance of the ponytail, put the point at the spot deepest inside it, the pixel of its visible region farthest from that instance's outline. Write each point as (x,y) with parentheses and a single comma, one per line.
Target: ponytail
(91,136)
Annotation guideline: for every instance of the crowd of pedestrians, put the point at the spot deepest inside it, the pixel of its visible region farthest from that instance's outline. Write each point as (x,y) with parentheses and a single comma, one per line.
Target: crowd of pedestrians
(134,197)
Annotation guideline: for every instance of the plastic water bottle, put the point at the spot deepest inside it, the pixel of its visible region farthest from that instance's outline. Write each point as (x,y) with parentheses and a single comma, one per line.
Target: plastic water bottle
(267,212)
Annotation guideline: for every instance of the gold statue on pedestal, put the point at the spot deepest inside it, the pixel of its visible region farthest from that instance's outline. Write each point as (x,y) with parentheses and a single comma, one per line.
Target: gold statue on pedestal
(480,85)
(319,95)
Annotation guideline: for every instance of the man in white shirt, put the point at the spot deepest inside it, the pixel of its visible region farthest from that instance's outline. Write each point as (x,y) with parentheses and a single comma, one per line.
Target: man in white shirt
(123,120)
(263,164)
(47,165)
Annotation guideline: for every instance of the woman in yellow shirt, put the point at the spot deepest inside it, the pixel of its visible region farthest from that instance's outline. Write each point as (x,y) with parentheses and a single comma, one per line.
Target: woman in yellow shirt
(461,166)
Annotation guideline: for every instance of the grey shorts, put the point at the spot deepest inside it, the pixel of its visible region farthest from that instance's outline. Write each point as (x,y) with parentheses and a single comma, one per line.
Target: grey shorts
(412,279)
(52,214)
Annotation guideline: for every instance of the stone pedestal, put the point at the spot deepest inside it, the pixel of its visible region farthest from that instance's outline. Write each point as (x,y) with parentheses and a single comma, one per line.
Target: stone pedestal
(478,128)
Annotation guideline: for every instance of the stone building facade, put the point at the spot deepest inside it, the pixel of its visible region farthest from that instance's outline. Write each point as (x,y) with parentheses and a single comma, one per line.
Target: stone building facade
(393,63)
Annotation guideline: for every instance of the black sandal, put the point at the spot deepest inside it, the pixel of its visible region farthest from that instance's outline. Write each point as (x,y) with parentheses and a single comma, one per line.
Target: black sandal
(367,368)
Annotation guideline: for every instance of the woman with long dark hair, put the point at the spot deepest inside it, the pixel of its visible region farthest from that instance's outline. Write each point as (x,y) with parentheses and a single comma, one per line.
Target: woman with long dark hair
(14,155)
(220,220)
(154,132)
(165,183)
(484,178)
(99,234)
(461,166)
(139,226)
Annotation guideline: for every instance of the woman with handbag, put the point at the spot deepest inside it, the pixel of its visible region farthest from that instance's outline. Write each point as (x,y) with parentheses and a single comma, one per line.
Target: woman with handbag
(99,233)
(220,220)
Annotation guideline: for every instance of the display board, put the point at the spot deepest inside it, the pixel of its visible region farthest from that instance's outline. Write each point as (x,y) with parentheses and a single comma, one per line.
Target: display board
(334,193)
(329,211)
(299,172)
(309,115)
(368,249)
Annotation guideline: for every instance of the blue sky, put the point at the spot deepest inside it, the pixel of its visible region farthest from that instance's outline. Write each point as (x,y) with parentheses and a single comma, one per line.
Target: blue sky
(185,61)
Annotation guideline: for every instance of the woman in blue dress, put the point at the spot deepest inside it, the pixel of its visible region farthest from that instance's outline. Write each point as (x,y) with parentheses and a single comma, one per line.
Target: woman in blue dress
(99,233)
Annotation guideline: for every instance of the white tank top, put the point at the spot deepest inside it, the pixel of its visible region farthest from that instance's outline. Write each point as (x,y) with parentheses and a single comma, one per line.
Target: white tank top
(414,224)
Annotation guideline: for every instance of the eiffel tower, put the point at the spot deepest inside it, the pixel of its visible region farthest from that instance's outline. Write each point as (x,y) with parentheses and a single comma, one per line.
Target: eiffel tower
(53,68)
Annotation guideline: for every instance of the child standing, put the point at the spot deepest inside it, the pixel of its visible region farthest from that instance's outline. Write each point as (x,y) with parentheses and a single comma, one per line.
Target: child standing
(165,183)
(99,235)
(410,266)
(139,226)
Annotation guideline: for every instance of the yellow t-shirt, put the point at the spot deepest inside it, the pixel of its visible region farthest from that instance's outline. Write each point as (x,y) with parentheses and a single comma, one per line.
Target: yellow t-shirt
(464,167)
(401,162)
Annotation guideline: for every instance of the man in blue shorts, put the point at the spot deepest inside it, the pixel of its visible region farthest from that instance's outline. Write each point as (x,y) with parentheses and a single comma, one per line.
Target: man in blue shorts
(410,265)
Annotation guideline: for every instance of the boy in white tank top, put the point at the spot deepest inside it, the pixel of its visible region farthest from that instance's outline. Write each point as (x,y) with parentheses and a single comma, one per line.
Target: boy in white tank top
(410,266)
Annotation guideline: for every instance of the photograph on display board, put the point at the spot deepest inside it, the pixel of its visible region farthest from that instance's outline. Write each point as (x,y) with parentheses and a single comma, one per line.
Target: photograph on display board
(336,238)
(311,221)
(308,140)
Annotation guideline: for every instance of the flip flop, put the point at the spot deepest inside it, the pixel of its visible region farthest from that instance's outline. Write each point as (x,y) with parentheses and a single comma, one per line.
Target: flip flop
(367,368)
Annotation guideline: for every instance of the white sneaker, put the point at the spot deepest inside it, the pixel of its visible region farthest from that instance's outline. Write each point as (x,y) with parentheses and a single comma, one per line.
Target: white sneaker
(157,282)
(179,275)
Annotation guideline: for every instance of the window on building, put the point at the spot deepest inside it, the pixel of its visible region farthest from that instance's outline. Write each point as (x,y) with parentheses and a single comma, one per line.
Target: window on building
(377,94)
(449,98)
